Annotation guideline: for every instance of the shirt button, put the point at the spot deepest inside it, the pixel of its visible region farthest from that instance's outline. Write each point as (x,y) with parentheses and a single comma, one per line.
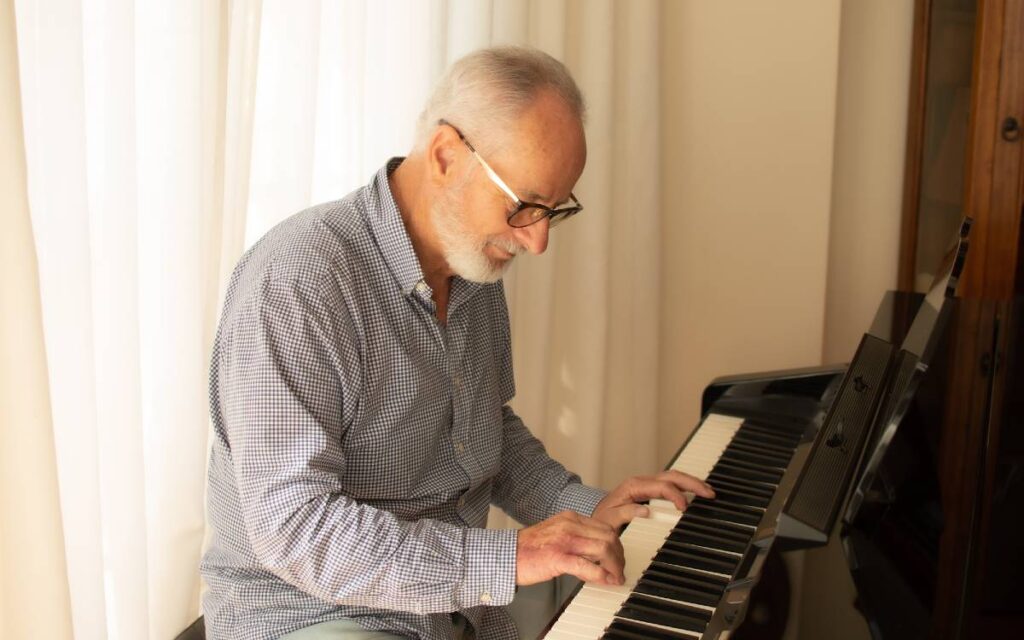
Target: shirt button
(458,447)
(462,502)
(421,286)
(457,380)
(485,597)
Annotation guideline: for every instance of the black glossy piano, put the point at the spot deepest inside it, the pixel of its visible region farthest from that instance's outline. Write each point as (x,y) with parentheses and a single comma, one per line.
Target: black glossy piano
(798,458)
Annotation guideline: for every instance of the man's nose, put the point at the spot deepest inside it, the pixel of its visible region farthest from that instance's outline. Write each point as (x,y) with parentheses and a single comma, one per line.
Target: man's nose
(534,237)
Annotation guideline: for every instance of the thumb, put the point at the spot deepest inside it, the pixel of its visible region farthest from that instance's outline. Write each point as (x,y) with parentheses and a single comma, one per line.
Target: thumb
(623,514)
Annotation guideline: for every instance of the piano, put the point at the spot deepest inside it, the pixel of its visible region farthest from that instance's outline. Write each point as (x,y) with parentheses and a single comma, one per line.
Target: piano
(793,457)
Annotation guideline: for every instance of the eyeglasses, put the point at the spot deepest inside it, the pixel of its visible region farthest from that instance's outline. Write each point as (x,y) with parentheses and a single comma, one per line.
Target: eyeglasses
(525,213)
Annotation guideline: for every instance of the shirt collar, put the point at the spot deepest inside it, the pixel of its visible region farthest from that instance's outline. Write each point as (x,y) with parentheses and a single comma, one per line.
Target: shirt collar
(392,239)
(388,229)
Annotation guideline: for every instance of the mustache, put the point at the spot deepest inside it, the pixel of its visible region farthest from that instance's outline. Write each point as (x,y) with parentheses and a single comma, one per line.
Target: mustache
(509,246)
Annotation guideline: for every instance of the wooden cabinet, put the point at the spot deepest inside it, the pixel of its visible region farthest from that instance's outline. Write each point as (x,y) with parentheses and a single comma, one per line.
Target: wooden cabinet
(964,156)
(964,144)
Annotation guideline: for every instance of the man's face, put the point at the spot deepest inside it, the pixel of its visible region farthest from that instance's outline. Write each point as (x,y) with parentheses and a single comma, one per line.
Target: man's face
(541,161)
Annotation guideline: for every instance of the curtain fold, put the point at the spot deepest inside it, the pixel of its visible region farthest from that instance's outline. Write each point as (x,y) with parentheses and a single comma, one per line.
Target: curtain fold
(34,596)
(161,139)
(50,47)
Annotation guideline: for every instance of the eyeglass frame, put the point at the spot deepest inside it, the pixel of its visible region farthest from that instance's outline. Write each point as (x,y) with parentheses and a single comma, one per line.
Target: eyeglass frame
(555,215)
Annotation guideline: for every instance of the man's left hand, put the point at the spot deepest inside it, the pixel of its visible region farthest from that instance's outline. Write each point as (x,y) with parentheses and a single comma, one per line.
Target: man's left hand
(621,504)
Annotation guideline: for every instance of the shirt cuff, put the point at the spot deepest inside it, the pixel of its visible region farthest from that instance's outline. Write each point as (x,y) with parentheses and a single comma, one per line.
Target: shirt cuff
(579,498)
(490,568)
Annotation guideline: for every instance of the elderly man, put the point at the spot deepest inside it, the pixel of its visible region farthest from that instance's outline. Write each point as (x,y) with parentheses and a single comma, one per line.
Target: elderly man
(360,383)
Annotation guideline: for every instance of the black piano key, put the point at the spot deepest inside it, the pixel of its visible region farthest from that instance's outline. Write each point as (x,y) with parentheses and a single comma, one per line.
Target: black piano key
(741,497)
(728,505)
(751,442)
(629,630)
(769,472)
(694,560)
(622,635)
(706,581)
(772,437)
(776,447)
(751,460)
(718,533)
(724,529)
(781,458)
(766,462)
(743,473)
(767,437)
(688,580)
(722,512)
(794,428)
(731,468)
(752,488)
(708,540)
(704,552)
(724,557)
(669,614)
(723,475)
(735,461)
(653,587)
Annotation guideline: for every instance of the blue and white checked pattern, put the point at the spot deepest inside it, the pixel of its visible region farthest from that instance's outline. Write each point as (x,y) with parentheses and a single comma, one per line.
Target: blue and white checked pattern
(358,443)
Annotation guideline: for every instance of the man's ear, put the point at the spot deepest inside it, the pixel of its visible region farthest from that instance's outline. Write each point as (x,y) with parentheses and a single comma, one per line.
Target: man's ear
(441,154)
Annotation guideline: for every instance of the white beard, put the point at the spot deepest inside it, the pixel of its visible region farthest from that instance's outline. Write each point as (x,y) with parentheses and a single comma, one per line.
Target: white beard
(464,252)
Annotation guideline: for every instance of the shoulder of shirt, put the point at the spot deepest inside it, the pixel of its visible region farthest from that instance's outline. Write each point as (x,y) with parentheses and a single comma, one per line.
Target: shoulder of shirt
(312,252)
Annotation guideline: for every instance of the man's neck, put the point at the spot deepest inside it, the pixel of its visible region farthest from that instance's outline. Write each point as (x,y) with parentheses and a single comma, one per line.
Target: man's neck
(407,188)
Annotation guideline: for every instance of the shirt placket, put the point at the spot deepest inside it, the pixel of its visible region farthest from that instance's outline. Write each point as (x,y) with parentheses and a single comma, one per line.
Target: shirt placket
(452,341)
(462,407)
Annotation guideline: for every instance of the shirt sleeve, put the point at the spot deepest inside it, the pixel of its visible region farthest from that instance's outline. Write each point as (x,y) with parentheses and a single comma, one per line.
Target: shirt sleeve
(531,486)
(285,374)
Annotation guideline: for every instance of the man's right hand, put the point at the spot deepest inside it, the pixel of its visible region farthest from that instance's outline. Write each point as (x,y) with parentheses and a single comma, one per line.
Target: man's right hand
(569,543)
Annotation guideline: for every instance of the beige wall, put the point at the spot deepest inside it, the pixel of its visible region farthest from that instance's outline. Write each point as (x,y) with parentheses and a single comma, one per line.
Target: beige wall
(867,171)
(748,111)
(784,128)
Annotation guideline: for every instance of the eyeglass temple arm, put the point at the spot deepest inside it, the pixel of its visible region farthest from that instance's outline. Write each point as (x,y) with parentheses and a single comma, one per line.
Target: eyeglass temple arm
(487,168)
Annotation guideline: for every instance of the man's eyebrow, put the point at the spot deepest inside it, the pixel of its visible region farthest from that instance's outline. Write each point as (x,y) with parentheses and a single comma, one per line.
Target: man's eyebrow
(533,196)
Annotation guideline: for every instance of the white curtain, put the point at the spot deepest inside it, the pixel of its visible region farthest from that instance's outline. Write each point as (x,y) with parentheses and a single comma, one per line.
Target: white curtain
(162,138)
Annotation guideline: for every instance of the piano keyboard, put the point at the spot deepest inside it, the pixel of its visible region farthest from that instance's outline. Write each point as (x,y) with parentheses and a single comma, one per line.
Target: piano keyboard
(678,565)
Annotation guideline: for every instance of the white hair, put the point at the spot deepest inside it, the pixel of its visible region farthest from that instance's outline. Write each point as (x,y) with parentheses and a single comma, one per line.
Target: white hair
(489,88)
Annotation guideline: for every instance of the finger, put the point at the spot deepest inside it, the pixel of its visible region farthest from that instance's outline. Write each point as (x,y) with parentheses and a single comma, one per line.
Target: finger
(618,516)
(595,528)
(597,545)
(671,493)
(648,488)
(686,482)
(588,571)
(611,562)
(604,553)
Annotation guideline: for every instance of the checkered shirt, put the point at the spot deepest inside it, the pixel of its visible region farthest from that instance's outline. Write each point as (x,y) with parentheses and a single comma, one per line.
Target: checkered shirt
(358,442)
